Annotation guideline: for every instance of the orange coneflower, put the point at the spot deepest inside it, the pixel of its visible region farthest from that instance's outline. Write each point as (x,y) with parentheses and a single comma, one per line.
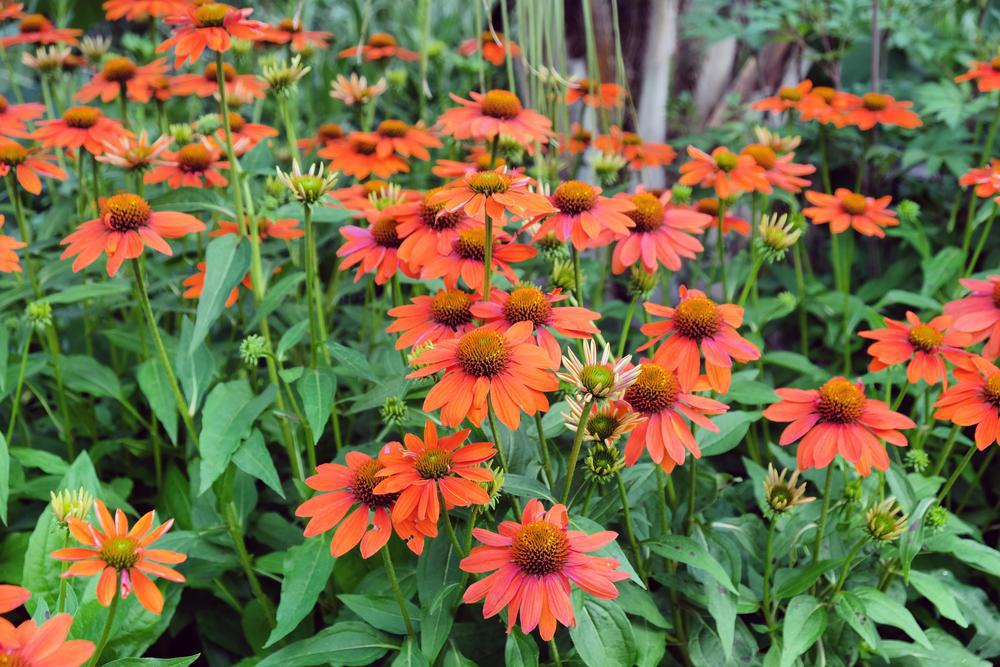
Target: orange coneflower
(246,135)
(14,117)
(505,369)
(870,109)
(32,645)
(836,419)
(11,10)
(699,326)
(379,45)
(356,89)
(126,226)
(584,217)
(118,73)
(979,313)
(195,165)
(985,73)
(730,174)
(286,229)
(527,303)
(533,564)
(494,47)
(28,164)
(594,94)
(9,261)
(925,346)
(326,134)
(134,153)
(361,197)
(986,179)
(195,284)
(430,319)
(121,556)
(639,153)
(289,31)
(404,139)
(974,401)
(780,171)
(138,10)
(467,256)
(823,104)
(662,233)
(478,159)
(788,98)
(352,486)
(208,26)
(427,230)
(357,156)
(423,472)
(37,29)
(373,248)
(845,209)
(578,140)
(492,193)
(85,127)
(730,221)
(494,113)
(206,84)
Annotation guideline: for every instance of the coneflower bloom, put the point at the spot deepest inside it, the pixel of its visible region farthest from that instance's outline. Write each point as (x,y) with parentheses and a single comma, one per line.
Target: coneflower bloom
(478,159)
(979,313)
(504,369)
(327,133)
(699,326)
(925,346)
(578,140)
(14,117)
(427,230)
(356,156)
(32,645)
(728,173)
(9,261)
(246,135)
(974,401)
(352,487)
(195,284)
(492,193)
(11,10)
(127,225)
(196,165)
(849,210)
(527,303)
(777,142)
(360,196)
(466,259)
(607,423)
(121,73)
(27,164)
(406,140)
(836,419)
(661,233)
(84,127)
(780,171)
(430,319)
(639,153)
(986,74)
(597,378)
(871,109)
(986,179)
(290,31)
(139,10)
(730,221)
(37,29)
(378,46)
(372,248)
(356,89)
(533,564)
(121,556)
(788,98)
(493,113)
(133,153)
(494,47)
(823,104)
(206,84)
(594,94)
(584,217)
(424,471)
(267,228)
(210,26)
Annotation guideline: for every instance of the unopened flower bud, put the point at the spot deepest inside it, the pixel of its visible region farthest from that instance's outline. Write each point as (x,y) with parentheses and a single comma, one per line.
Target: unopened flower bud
(71,504)
(908,212)
(563,276)
(641,282)
(783,495)
(39,314)
(918,460)
(681,194)
(182,133)
(885,521)
(393,411)
(252,349)
(603,462)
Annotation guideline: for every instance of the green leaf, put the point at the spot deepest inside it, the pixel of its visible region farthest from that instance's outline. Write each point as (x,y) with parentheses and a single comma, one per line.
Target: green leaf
(4,478)
(944,650)
(810,619)
(526,487)
(307,568)
(346,643)
(194,371)
(970,552)
(351,363)
(751,392)
(942,597)
(47,462)
(520,650)
(941,269)
(89,376)
(912,538)
(795,362)
(685,550)
(230,411)
(276,295)
(226,263)
(154,662)
(733,426)
(791,581)
(382,612)
(253,458)
(722,607)
(155,387)
(316,387)
(851,609)
(101,290)
(438,620)
(291,338)
(410,656)
(603,634)
(884,610)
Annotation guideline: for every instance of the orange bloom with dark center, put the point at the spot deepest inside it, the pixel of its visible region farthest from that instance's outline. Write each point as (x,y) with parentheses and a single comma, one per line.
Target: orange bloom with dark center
(495,112)
(979,313)
(195,165)
(494,47)
(289,31)
(358,157)
(594,94)
(780,171)
(849,210)
(871,109)
(14,117)
(139,10)
(493,193)
(28,165)
(344,488)
(638,152)
(661,234)
(424,472)
(578,140)
(246,135)
(527,303)
(211,26)
(836,419)
(431,319)
(584,217)
(730,221)
(730,174)
(467,256)
(121,556)
(504,368)
(407,140)
(373,248)
(787,99)
(32,645)
(986,179)
(986,74)
(285,229)
(85,127)
(326,134)
(206,84)
(478,159)
(974,401)
(118,73)
(37,29)
(135,153)
(428,230)
(699,326)
(823,104)
(533,564)
(925,346)
(379,45)
(365,200)
(9,261)
(195,283)
(126,226)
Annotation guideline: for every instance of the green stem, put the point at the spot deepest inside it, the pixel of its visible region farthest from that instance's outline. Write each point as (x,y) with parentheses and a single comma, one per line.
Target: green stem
(842,579)
(488,256)
(954,476)
(800,288)
(543,448)
(390,572)
(234,166)
(623,338)
(574,453)
(661,498)
(629,530)
(501,456)
(15,402)
(236,533)
(949,444)
(315,340)
(978,477)
(821,525)
(970,217)
(768,569)
(692,494)
(63,581)
(577,280)
(290,134)
(982,241)
(751,279)
(108,623)
(123,106)
(451,528)
(824,164)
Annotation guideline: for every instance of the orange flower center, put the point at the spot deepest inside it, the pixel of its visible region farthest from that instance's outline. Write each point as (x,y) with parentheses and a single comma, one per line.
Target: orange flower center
(631,139)
(363,486)
(855,204)
(727,160)
(194,157)
(697,318)
(11,660)
(764,156)
(587,86)
(995,63)
(433,463)
(452,308)
(790,93)
(654,390)
(12,155)
(483,353)
(126,212)
(392,128)
(709,205)
(212,72)
(471,244)
(81,117)
(375,187)
(925,337)
(527,304)
(33,23)
(212,15)
(825,93)
(488,37)
(236,121)
(434,217)
(289,25)
(483,162)
(991,389)
(363,145)
(996,294)
(119,70)
(840,401)
(3,104)
(582,135)
(574,197)
(489,183)
(381,40)
(874,101)
(501,104)
(330,131)
(120,553)
(648,213)
(384,232)
(539,548)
